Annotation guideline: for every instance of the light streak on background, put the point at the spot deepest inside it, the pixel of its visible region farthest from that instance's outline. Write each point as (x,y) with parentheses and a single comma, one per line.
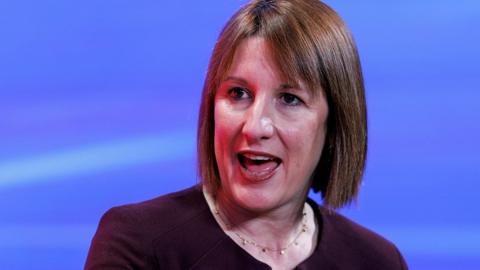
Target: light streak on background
(100,157)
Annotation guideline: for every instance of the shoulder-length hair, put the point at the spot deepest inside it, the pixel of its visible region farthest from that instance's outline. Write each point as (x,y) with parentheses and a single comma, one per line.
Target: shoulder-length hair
(311,43)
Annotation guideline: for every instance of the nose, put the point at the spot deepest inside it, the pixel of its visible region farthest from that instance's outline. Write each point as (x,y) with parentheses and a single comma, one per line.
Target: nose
(258,123)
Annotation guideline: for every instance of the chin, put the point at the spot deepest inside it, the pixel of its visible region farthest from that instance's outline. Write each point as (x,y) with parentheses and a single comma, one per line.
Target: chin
(254,197)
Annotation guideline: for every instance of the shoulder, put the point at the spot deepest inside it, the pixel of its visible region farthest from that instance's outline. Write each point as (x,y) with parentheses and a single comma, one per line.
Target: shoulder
(165,211)
(350,244)
(161,214)
(126,234)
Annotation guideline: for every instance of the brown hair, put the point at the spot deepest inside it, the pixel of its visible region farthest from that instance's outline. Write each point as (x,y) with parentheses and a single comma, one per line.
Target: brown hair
(313,45)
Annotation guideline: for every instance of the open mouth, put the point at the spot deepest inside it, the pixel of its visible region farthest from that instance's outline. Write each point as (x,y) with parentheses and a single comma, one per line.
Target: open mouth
(258,166)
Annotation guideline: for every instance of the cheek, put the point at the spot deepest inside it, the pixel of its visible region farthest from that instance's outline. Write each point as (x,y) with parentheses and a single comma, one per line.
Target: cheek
(219,133)
(221,120)
(305,141)
(318,142)
(224,128)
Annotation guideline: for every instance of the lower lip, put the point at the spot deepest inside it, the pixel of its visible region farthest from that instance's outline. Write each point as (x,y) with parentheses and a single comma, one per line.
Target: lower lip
(257,176)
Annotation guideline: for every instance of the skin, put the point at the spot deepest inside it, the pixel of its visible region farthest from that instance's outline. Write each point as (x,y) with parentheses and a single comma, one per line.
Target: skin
(258,113)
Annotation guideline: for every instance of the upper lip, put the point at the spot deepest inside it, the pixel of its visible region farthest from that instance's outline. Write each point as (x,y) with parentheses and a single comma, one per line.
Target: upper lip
(253,154)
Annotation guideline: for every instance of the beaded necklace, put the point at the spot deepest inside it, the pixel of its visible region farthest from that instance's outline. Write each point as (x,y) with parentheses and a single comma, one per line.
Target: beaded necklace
(265,249)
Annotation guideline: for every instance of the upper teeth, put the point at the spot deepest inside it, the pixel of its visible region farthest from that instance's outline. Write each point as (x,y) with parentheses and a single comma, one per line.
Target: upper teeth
(254,157)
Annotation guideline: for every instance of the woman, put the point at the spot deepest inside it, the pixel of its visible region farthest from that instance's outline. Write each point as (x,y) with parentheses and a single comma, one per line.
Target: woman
(282,111)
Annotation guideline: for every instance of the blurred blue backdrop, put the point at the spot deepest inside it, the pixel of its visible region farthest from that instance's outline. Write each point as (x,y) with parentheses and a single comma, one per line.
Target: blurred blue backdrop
(99,101)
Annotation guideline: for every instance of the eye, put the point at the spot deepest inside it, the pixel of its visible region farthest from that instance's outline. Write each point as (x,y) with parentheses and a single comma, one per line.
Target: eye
(238,93)
(290,99)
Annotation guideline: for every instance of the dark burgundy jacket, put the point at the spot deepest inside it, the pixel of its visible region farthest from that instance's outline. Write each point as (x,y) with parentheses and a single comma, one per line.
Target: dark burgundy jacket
(178,231)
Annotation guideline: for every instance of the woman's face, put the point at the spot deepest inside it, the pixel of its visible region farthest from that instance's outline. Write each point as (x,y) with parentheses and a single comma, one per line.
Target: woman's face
(269,133)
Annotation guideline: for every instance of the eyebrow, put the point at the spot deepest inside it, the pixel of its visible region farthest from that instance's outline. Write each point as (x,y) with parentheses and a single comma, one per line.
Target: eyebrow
(233,78)
(282,86)
(287,86)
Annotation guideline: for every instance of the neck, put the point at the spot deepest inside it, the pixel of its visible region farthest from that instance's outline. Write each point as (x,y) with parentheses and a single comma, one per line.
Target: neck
(272,230)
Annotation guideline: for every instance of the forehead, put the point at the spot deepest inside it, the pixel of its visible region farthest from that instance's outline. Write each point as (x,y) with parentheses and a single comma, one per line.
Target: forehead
(255,55)
(253,47)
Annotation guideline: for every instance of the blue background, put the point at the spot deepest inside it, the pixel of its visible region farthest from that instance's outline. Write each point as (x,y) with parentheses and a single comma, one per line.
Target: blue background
(99,101)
